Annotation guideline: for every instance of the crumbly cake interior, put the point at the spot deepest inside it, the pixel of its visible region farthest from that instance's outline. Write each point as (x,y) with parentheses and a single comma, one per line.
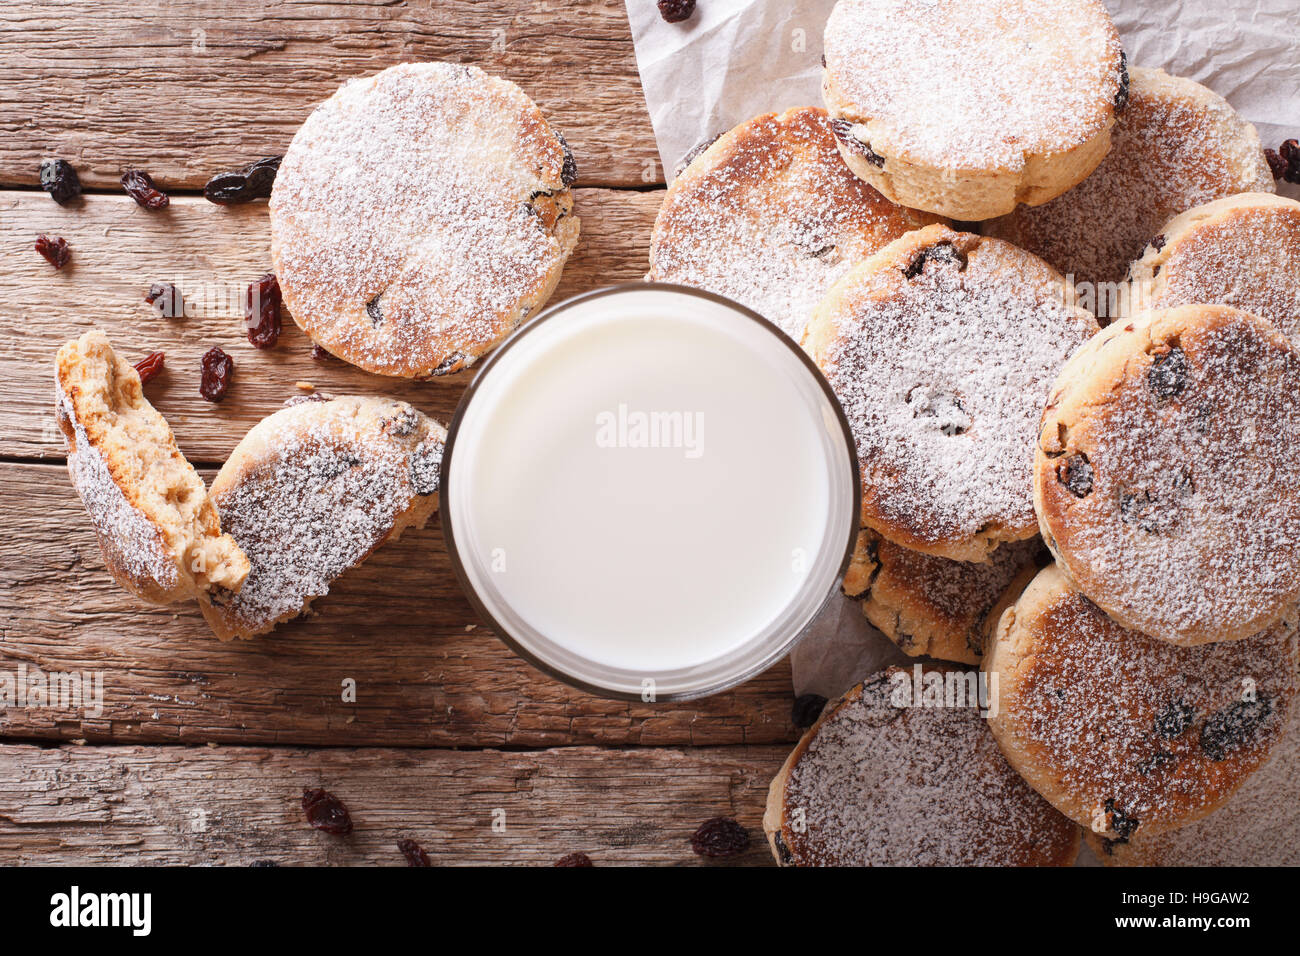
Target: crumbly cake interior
(119,439)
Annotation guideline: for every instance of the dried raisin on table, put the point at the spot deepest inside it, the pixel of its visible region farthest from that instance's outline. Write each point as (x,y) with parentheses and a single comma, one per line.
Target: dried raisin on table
(414,853)
(60,180)
(166,300)
(675,11)
(719,837)
(807,708)
(262,311)
(254,181)
(318,354)
(217,370)
(54,249)
(149,367)
(140,186)
(574,859)
(1284,162)
(326,812)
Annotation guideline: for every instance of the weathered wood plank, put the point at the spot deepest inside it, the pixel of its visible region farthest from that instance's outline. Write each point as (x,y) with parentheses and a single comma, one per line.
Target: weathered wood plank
(194,806)
(426,673)
(187,88)
(211,253)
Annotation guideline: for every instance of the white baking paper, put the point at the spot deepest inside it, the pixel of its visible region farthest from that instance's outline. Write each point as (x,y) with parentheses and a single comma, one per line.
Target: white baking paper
(735,59)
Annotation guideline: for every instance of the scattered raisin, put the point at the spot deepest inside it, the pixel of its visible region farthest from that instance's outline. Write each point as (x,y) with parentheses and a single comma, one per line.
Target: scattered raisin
(54,249)
(318,354)
(1276,164)
(217,370)
(807,708)
(721,836)
(1175,719)
(783,855)
(574,859)
(939,252)
(139,185)
(1076,474)
(843,131)
(426,468)
(675,11)
(326,812)
(263,863)
(1288,155)
(60,180)
(414,853)
(262,311)
(1121,95)
(166,300)
(1121,823)
(149,367)
(452,363)
(1167,376)
(568,171)
(254,181)
(1234,726)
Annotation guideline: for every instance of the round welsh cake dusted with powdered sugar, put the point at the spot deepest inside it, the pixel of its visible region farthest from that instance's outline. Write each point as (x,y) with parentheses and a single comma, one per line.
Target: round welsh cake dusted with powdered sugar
(419,215)
(1124,733)
(941,349)
(311,491)
(967,108)
(886,779)
(770,216)
(1166,477)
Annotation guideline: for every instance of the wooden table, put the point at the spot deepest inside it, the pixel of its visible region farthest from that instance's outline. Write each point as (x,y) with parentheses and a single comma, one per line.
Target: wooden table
(202,749)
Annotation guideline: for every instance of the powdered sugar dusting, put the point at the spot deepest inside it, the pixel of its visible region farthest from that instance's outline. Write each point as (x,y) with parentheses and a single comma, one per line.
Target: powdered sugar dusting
(880,785)
(417,214)
(127,537)
(1191,529)
(1175,146)
(326,488)
(943,377)
(1259,826)
(1126,724)
(772,218)
(1248,258)
(977,84)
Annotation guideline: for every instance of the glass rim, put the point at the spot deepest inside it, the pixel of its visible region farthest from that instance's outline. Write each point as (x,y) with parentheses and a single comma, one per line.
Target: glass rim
(731,680)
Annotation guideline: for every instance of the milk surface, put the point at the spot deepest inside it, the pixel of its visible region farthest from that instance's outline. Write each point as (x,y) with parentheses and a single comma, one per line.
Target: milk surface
(644,487)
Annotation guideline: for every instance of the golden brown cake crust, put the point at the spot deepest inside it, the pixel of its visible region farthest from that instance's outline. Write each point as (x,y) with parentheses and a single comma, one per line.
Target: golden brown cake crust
(1123,733)
(770,216)
(419,215)
(935,607)
(1158,480)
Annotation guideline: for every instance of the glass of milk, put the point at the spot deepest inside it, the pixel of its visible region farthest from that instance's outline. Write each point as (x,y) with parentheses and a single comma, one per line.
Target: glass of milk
(649,492)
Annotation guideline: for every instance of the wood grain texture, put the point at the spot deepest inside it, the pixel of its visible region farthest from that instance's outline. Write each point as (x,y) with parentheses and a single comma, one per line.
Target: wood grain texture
(426,673)
(195,806)
(212,253)
(189,88)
